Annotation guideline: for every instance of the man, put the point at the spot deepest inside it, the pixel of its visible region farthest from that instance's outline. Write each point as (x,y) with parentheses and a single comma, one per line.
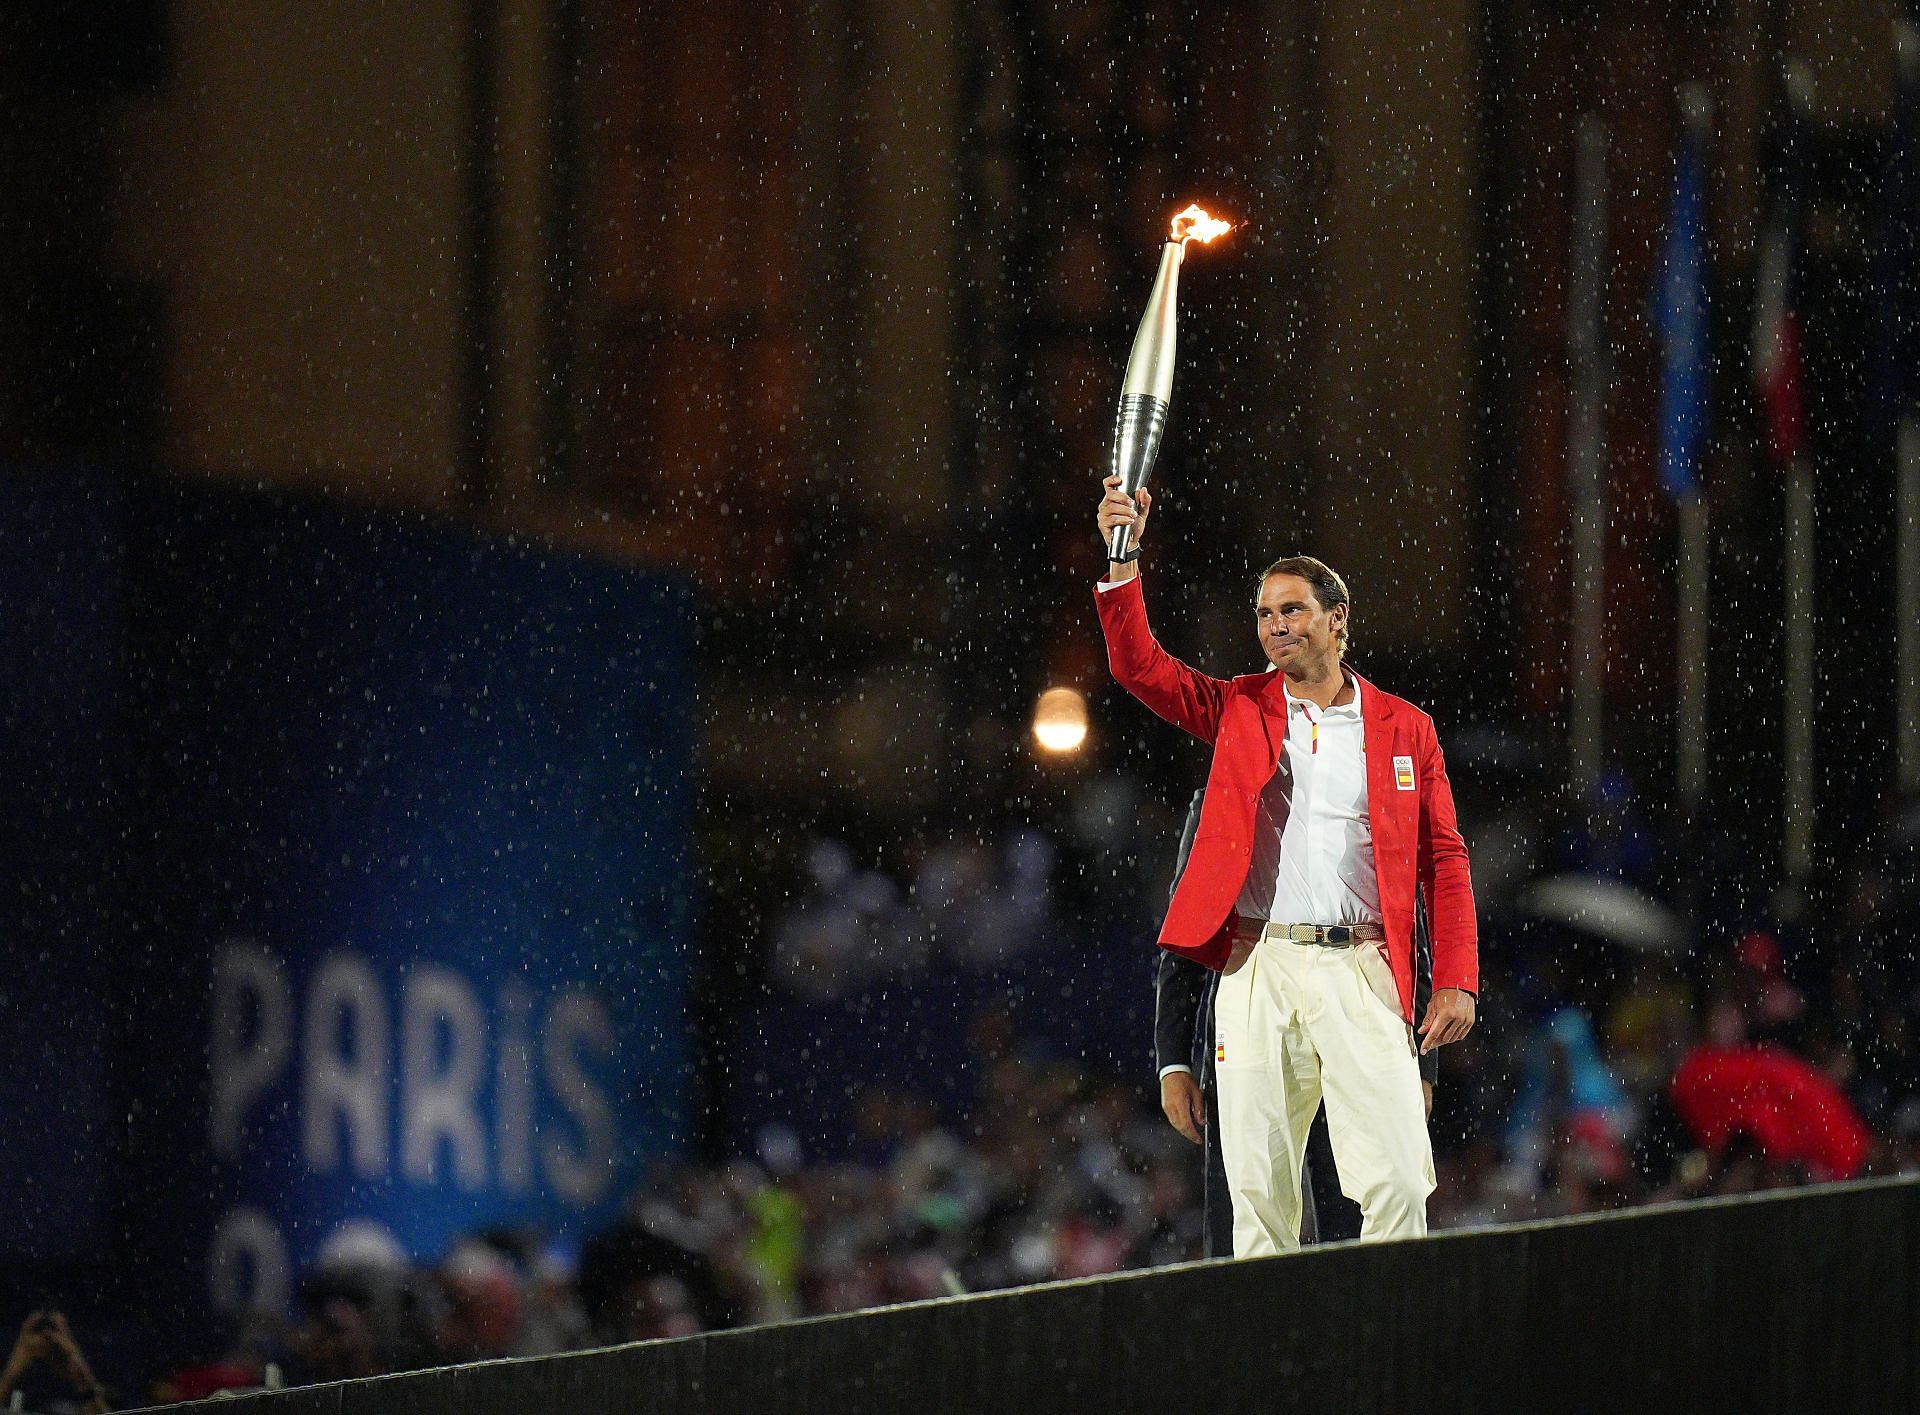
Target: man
(1327,814)
(1183,1052)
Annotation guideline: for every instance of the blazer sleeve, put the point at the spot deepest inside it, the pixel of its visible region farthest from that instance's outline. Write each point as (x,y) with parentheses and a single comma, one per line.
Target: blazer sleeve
(1444,875)
(1179,984)
(1181,694)
(1423,981)
(1179,988)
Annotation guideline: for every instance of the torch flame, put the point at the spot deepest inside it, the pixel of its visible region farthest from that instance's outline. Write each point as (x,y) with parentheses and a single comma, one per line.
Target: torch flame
(1194,224)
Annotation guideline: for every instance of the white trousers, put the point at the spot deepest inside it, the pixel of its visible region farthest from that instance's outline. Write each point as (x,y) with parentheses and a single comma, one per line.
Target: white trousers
(1295,1022)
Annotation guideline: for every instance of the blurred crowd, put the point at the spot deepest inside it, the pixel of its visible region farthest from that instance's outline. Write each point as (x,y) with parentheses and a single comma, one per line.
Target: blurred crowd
(975,904)
(1624,1056)
(1055,1175)
(1631,1057)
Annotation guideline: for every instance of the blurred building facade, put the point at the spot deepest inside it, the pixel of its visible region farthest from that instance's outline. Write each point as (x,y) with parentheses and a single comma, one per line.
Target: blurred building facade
(825,302)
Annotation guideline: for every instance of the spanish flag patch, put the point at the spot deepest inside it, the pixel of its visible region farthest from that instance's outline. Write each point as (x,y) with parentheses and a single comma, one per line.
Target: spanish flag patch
(1219,1051)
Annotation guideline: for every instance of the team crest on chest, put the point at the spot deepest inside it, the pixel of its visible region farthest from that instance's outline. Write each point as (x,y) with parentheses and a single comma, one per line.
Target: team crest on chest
(1403,773)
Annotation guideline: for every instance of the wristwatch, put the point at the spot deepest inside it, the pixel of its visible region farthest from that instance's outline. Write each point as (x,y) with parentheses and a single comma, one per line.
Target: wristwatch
(1127,559)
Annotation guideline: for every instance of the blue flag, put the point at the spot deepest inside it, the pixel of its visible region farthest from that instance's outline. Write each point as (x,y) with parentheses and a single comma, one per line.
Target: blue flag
(1680,319)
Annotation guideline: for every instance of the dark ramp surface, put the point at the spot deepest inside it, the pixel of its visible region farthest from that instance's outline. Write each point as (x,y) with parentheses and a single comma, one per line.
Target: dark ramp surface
(1801,1301)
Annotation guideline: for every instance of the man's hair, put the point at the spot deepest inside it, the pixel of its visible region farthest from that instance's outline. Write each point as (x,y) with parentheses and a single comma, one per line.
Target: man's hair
(1328,587)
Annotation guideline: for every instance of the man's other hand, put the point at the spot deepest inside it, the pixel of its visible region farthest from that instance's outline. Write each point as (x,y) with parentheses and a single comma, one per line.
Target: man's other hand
(1180,1098)
(1449,1018)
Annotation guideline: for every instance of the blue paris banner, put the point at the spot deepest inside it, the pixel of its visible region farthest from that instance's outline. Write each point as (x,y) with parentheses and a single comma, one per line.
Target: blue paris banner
(377,904)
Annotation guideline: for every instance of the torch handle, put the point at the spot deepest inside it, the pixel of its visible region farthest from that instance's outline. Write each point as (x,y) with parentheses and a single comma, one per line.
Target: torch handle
(1136,442)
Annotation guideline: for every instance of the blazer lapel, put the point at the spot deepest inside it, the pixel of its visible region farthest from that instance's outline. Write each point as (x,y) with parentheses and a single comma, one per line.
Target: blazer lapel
(1376,729)
(1273,713)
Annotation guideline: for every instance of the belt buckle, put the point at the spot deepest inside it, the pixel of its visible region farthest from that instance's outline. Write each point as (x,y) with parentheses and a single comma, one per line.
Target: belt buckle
(1338,933)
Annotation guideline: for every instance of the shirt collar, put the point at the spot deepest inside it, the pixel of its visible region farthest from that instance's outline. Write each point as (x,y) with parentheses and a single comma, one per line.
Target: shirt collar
(1306,705)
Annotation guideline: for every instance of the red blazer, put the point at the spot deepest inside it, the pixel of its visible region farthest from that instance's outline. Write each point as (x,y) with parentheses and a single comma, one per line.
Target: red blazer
(1416,842)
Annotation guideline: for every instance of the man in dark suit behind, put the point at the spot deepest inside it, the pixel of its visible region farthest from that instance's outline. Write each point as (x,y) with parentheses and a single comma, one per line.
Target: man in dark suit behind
(1183,1054)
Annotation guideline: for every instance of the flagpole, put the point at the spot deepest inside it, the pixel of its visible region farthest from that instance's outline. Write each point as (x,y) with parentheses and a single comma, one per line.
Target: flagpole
(1586,463)
(1906,583)
(1798,823)
(1779,378)
(1696,562)
(1907,604)
(1696,551)
(1797,842)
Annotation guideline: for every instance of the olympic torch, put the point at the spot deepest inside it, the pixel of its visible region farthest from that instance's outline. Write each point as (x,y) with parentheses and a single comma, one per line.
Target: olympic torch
(1148,386)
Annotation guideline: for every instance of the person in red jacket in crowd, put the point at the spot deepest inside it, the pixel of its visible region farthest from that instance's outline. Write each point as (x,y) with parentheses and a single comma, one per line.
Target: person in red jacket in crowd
(1327,813)
(1728,1086)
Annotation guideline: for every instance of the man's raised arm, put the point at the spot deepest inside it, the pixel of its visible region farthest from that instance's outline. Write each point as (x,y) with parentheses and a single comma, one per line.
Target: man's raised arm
(1183,695)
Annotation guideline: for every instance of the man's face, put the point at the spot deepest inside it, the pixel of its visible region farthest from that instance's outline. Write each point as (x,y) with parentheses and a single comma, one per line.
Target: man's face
(1296,634)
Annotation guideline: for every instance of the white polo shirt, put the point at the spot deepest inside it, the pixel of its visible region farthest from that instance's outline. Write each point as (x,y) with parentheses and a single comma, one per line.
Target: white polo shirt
(1312,842)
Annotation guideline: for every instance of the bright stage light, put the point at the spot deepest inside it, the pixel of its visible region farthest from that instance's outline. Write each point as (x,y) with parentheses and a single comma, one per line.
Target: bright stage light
(1060,720)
